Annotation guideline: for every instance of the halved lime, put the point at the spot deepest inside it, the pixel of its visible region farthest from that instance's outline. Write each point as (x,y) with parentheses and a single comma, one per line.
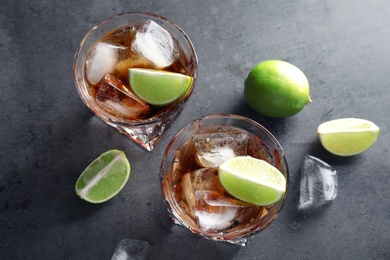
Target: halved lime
(157,87)
(104,177)
(348,136)
(252,180)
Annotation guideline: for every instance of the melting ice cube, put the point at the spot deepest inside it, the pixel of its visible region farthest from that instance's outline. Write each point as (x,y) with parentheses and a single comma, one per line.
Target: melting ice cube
(215,212)
(155,44)
(114,96)
(318,184)
(212,149)
(101,61)
(131,249)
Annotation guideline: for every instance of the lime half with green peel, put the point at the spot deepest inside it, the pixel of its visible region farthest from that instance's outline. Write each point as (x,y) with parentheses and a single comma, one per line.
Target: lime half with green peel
(157,87)
(348,136)
(276,88)
(104,178)
(252,180)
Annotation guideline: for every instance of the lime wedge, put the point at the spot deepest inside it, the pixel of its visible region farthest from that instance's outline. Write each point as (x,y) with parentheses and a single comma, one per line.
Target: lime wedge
(157,87)
(348,136)
(104,177)
(252,180)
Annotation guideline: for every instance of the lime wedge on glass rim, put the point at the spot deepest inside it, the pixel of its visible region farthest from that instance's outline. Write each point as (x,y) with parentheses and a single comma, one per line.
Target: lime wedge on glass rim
(104,178)
(348,136)
(157,87)
(252,180)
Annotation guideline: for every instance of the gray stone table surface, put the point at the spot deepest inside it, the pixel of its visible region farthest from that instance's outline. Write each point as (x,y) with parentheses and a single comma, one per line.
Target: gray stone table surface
(48,136)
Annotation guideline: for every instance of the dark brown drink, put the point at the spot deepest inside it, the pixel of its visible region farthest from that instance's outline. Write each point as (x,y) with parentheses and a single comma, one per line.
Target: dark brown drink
(191,185)
(133,40)
(110,88)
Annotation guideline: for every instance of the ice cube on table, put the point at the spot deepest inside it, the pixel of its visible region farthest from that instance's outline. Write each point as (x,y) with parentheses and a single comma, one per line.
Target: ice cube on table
(113,95)
(101,61)
(155,44)
(215,212)
(319,184)
(131,249)
(212,149)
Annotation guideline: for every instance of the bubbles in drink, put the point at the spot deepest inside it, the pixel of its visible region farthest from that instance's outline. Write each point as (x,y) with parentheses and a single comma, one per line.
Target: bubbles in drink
(155,44)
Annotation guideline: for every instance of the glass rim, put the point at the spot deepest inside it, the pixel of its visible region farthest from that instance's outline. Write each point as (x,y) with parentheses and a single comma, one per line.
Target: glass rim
(225,115)
(176,107)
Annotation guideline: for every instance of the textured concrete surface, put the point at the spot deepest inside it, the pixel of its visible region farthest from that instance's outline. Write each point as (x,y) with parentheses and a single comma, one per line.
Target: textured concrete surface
(48,136)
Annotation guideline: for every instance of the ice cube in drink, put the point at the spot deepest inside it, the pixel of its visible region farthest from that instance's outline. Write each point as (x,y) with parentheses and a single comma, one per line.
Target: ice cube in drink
(212,149)
(216,212)
(114,96)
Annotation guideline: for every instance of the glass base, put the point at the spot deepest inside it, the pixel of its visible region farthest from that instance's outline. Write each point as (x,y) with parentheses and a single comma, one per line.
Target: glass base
(145,135)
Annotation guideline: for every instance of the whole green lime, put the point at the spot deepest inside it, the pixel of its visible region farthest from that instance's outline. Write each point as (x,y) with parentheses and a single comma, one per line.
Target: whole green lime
(276,88)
